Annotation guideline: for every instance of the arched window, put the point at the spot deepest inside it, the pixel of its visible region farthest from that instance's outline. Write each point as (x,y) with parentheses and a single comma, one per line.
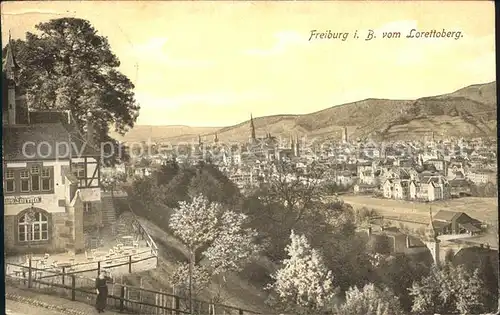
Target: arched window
(33,227)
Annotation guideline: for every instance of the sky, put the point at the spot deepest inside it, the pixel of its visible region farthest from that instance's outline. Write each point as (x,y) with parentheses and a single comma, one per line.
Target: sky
(215,63)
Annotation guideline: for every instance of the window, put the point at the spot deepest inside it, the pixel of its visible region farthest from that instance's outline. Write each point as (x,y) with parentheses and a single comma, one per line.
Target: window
(10,184)
(35,178)
(87,207)
(46,181)
(34,229)
(25,181)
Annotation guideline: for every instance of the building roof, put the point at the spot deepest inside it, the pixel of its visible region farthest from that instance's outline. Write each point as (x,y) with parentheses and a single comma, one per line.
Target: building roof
(458,183)
(48,141)
(446,215)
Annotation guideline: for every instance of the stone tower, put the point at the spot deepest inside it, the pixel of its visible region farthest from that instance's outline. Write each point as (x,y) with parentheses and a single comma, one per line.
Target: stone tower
(297,146)
(344,134)
(432,241)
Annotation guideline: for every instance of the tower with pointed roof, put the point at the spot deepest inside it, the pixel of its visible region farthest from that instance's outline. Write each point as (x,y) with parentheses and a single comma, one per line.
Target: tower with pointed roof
(11,68)
(252,130)
(432,240)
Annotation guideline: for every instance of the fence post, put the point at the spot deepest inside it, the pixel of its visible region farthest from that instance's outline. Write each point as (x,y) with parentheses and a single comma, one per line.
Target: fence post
(73,285)
(177,305)
(63,274)
(122,297)
(29,273)
(130,264)
(98,267)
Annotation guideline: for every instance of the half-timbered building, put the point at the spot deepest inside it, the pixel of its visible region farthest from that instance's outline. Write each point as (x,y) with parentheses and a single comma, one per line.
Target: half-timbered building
(51,174)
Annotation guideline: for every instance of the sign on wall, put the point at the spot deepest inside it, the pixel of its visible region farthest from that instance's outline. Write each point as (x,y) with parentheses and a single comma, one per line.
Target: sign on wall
(90,194)
(22,200)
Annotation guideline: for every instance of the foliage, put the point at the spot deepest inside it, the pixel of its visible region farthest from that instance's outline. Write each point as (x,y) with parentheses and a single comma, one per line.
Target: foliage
(304,280)
(484,190)
(370,301)
(226,243)
(195,222)
(380,244)
(289,200)
(180,278)
(397,273)
(67,65)
(146,189)
(449,290)
(234,245)
(490,280)
(363,216)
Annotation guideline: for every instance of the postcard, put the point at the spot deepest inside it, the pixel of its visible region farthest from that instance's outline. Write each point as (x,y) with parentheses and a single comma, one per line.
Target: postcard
(250,157)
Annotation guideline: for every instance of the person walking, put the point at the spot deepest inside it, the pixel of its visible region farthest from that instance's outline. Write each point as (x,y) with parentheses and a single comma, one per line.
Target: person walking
(102,291)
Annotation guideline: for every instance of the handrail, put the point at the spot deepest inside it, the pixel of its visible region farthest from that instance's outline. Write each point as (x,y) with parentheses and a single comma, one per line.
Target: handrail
(108,259)
(122,298)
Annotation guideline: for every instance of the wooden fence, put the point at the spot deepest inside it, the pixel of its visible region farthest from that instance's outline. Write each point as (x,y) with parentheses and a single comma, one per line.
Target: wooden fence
(121,297)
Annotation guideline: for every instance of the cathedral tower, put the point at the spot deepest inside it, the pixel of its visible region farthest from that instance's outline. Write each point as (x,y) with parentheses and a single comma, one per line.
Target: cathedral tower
(252,130)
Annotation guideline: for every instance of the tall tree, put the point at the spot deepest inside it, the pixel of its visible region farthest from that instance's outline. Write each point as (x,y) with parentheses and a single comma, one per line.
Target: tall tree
(220,234)
(370,301)
(303,284)
(449,290)
(68,65)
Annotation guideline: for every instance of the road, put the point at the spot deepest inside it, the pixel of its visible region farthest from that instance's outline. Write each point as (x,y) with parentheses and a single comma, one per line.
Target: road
(16,308)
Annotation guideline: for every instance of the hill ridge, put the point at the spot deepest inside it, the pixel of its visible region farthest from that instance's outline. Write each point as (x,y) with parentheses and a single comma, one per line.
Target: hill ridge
(466,112)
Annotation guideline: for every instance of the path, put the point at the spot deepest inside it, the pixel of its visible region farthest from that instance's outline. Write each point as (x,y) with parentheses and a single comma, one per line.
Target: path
(20,302)
(18,308)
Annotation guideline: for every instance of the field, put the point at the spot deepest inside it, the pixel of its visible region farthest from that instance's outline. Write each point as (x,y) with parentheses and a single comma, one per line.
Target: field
(483,209)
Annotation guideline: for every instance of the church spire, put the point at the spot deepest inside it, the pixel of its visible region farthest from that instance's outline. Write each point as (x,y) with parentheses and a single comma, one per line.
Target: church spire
(10,65)
(252,128)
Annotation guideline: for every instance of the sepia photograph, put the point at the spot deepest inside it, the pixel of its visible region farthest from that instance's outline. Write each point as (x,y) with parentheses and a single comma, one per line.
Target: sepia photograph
(249,157)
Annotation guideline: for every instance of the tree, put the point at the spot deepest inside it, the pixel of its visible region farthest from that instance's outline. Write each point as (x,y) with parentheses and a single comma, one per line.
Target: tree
(226,243)
(370,301)
(449,290)
(303,282)
(289,199)
(397,273)
(69,66)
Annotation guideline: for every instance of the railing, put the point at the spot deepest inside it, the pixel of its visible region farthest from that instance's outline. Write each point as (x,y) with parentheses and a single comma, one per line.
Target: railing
(138,228)
(125,298)
(126,260)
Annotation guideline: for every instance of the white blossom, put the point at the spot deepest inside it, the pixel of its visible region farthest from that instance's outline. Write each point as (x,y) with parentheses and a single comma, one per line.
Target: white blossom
(234,244)
(195,222)
(200,279)
(303,279)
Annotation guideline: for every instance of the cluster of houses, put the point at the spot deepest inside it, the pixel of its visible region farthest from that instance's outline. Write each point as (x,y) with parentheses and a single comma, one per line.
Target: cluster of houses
(421,180)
